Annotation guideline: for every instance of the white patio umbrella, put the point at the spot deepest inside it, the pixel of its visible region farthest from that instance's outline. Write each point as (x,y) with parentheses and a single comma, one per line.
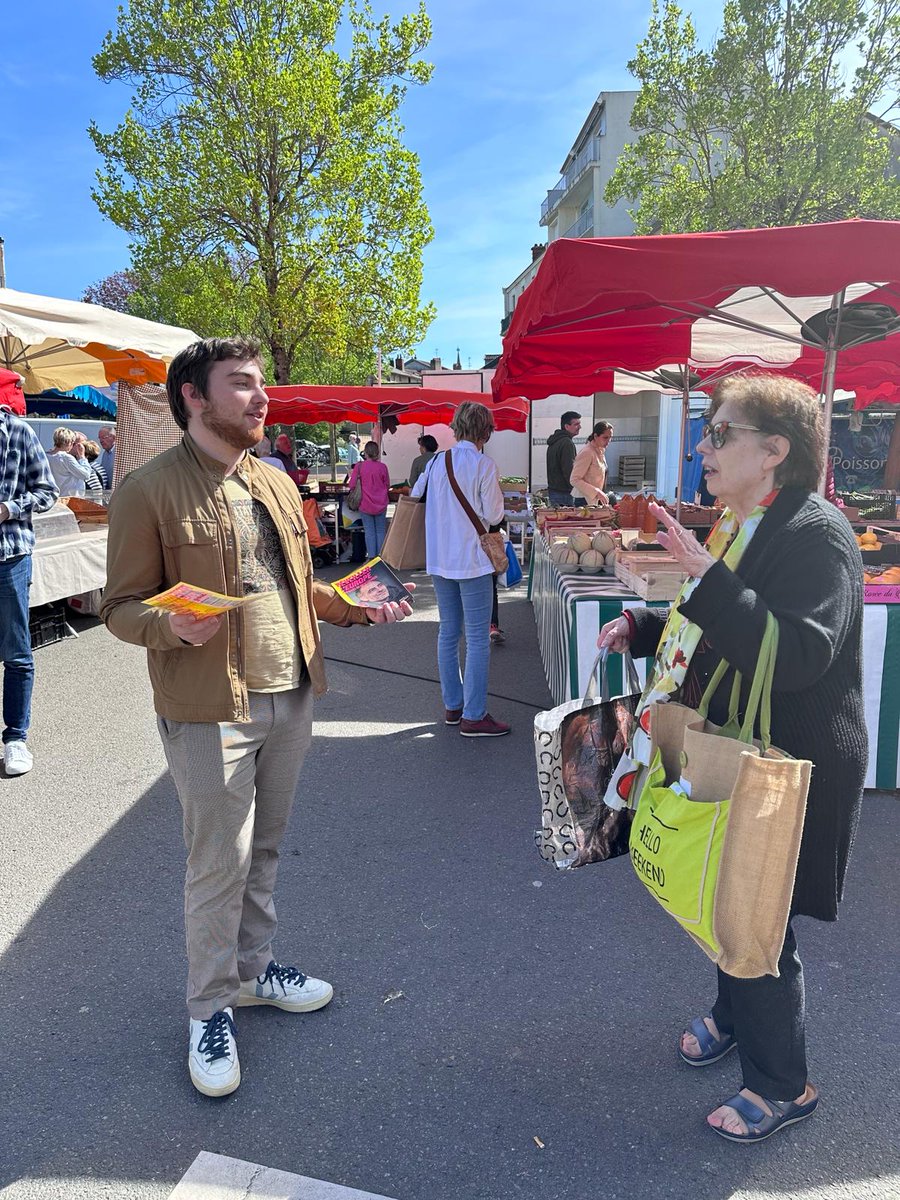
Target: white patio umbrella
(65,343)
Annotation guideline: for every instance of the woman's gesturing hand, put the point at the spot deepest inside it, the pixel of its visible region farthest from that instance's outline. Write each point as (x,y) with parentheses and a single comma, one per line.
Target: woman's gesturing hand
(615,636)
(682,544)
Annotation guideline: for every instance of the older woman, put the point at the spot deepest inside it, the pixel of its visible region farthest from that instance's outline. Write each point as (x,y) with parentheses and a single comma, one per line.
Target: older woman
(589,470)
(779,548)
(461,571)
(70,468)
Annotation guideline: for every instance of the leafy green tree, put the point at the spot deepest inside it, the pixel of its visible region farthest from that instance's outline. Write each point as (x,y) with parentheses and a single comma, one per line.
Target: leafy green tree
(262,174)
(780,122)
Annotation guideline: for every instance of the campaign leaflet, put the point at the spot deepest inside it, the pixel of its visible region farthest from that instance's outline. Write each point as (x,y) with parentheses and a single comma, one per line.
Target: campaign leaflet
(371,586)
(188,601)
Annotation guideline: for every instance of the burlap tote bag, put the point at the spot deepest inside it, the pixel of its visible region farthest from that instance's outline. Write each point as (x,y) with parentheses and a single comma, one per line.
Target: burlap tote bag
(577,747)
(718,823)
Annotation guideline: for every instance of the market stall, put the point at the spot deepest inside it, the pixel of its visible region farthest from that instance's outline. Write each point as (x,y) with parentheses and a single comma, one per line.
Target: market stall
(819,303)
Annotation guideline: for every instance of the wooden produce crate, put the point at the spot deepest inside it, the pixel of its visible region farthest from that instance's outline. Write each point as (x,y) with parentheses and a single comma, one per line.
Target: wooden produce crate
(87,512)
(652,575)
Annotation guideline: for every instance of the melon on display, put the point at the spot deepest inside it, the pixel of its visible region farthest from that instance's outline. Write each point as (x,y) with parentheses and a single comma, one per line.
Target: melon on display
(566,557)
(603,542)
(591,561)
(579,542)
(611,559)
(557,549)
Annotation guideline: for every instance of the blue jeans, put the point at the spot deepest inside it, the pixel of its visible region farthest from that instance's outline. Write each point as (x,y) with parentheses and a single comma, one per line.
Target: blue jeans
(464,606)
(15,647)
(374,526)
(559,499)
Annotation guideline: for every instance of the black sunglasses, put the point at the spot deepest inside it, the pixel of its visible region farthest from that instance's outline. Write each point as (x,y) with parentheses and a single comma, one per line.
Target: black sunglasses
(718,433)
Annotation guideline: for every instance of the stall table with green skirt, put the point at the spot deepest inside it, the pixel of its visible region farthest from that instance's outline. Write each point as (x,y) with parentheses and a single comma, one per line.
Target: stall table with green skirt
(569,611)
(881,692)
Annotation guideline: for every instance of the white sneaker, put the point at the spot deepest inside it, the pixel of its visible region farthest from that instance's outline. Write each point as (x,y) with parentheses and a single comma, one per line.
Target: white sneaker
(212,1055)
(17,758)
(287,988)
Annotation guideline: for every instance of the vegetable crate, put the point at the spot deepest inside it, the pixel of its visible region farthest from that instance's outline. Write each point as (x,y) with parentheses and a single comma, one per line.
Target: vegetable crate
(652,576)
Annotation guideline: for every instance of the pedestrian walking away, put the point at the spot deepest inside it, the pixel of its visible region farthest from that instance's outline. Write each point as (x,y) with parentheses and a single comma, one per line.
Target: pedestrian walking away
(26,487)
(561,456)
(779,551)
(233,694)
(462,573)
(375,483)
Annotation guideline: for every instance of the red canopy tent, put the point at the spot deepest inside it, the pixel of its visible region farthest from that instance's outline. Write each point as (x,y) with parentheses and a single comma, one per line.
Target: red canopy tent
(818,302)
(310,403)
(709,299)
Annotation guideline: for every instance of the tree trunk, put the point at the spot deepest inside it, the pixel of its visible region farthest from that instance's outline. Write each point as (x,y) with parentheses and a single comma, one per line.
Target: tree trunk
(281,362)
(892,465)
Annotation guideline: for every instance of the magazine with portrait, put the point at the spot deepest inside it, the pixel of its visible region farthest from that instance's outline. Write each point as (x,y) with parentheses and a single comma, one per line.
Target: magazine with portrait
(371,585)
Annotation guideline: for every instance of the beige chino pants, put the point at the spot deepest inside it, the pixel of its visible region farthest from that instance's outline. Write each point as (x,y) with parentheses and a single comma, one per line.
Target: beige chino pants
(236,782)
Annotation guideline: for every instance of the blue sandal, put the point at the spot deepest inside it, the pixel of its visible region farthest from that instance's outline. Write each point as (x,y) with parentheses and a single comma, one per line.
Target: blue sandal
(711,1048)
(760,1125)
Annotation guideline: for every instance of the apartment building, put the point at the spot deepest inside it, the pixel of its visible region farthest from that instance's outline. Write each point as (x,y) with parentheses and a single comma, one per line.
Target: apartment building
(574,206)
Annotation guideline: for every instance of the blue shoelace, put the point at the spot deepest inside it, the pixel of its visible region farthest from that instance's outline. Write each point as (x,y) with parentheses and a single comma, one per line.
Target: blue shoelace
(214,1042)
(283,975)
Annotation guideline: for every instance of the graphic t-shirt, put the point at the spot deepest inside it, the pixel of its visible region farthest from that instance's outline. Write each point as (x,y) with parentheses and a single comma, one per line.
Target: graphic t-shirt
(272,659)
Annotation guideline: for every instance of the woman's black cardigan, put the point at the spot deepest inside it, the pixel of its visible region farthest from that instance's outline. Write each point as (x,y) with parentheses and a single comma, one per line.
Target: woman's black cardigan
(802,565)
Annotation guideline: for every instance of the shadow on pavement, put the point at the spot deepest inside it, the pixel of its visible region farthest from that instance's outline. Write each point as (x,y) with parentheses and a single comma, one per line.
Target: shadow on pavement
(483,1003)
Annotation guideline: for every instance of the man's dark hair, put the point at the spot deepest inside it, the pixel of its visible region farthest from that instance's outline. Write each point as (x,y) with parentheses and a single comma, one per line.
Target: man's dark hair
(568,417)
(427,442)
(193,363)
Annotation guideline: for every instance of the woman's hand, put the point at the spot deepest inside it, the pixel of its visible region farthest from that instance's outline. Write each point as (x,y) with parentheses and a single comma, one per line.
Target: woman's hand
(615,636)
(393,611)
(602,497)
(681,544)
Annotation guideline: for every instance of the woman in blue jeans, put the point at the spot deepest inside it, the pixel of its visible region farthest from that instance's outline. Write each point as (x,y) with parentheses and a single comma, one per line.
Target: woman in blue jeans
(376,482)
(461,571)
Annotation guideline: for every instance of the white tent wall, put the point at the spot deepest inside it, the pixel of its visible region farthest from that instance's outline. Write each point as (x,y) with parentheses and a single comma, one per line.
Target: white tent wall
(635,421)
(508,449)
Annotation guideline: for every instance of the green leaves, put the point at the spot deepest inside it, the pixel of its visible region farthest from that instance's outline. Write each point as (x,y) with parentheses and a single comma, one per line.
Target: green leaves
(261,171)
(772,125)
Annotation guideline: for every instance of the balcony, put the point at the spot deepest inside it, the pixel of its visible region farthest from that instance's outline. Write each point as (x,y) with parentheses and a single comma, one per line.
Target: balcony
(583,226)
(588,156)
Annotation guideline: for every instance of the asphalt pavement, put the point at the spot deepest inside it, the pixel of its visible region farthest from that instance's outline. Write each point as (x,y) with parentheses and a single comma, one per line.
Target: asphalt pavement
(499,1031)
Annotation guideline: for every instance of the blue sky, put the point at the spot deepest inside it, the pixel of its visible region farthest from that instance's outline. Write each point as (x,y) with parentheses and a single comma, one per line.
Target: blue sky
(511,88)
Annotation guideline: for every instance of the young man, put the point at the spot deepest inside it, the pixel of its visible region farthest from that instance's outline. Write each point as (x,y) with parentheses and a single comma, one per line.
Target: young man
(233,695)
(560,460)
(26,487)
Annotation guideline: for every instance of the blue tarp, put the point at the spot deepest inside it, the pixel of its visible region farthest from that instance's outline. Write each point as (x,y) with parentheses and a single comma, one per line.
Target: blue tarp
(103,401)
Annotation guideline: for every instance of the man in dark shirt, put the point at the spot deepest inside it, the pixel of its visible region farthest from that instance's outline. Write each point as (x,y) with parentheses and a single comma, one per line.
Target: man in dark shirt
(561,459)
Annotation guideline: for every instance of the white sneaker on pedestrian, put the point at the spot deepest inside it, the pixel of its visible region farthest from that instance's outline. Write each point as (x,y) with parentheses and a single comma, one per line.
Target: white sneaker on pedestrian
(212,1055)
(17,758)
(286,988)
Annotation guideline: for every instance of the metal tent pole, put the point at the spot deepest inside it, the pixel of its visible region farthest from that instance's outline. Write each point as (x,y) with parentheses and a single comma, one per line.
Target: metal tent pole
(831,353)
(685,417)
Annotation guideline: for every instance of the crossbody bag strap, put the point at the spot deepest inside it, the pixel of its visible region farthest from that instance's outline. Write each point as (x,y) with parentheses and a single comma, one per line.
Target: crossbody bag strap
(469,510)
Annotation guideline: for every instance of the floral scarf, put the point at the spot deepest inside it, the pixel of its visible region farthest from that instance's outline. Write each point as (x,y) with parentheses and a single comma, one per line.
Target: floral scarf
(677,644)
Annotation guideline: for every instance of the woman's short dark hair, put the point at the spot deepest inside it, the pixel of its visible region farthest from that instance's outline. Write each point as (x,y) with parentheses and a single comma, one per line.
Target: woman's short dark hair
(600,428)
(193,363)
(779,404)
(429,443)
(371,450)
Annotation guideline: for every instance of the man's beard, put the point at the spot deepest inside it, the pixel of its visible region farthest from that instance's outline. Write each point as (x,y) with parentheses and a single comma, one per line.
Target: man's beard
(232,433)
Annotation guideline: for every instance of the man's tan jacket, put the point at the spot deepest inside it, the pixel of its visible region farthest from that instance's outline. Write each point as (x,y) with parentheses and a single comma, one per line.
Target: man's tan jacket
(170,521)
